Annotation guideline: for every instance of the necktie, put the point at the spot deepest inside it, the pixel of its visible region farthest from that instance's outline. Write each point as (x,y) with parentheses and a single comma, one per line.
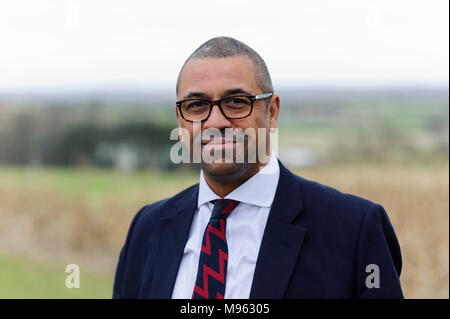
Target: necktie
(212,266)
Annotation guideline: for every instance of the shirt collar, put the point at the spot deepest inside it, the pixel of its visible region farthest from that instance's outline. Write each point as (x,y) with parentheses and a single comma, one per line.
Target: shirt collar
(259,190)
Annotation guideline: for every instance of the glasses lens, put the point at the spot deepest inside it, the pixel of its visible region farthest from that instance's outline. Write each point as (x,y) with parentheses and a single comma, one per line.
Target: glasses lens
(237,106)
(195,109)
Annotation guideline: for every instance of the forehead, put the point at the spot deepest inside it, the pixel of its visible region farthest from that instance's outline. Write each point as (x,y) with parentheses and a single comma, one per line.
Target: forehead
(215,75)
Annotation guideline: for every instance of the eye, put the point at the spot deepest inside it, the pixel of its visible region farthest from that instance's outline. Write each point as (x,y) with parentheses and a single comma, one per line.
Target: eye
(196,104)
(238,101)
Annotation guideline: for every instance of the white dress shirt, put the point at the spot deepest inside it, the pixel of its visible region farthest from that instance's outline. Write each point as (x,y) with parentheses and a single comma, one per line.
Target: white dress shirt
(244,232)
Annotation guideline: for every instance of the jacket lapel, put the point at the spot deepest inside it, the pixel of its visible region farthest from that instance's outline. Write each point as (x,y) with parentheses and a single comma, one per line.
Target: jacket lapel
(282,241)
(173,233)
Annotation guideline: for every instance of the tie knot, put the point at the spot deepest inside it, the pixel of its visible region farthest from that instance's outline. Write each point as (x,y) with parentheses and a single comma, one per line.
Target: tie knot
(223,208)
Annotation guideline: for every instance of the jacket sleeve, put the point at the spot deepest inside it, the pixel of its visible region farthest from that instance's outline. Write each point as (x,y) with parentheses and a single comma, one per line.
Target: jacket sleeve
(122,264)
(379,260)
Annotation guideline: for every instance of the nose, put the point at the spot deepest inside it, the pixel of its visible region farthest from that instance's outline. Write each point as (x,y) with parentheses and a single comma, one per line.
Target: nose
(216,119)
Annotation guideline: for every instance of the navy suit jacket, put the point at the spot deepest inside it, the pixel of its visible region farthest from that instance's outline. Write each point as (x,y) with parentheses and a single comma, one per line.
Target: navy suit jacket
(317,244)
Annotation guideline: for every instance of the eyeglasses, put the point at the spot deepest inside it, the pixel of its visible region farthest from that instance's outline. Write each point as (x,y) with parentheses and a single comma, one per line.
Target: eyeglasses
(232,107)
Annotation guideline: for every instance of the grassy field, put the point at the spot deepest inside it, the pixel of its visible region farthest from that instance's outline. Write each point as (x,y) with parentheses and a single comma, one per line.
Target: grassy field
(21,277)
(54,217)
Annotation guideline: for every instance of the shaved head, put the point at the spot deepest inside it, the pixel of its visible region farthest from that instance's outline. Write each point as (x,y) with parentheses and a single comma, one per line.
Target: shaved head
(224,47)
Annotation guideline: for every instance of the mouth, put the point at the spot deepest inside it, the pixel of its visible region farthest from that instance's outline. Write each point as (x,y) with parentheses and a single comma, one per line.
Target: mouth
(218,143)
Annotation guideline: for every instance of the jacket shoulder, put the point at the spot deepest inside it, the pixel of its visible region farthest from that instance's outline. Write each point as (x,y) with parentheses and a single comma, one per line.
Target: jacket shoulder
(155,211)
(317,191)
(331,202)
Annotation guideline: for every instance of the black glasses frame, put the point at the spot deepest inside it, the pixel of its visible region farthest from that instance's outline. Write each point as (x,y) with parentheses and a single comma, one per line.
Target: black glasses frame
(253,98)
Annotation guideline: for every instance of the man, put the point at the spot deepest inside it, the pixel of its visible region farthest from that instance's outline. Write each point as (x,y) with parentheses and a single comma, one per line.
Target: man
(252,229)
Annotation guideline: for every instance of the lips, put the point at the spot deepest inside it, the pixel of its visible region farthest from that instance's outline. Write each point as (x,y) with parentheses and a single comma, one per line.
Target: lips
(217,141)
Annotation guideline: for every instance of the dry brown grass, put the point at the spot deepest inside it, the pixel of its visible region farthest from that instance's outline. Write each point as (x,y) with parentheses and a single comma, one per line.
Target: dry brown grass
(40,219)
(417,202)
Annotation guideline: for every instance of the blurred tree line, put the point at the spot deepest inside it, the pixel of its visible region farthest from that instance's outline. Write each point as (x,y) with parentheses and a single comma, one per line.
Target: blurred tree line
(93,135)
(128,134)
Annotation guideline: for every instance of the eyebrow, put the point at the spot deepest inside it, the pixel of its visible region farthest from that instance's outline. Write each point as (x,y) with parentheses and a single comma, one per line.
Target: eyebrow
(225,93)
(236,91)
(195,94)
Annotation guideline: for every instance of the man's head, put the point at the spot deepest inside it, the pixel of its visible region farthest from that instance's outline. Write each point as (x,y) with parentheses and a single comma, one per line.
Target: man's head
(224,67)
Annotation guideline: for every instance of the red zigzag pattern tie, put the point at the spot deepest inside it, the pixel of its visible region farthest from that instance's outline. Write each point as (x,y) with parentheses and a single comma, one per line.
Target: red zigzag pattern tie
(212,266)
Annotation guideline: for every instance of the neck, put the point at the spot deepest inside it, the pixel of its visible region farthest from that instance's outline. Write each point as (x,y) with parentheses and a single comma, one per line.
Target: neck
(222,187)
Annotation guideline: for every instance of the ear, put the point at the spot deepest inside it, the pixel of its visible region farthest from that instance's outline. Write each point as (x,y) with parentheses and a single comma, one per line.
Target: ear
(273,110)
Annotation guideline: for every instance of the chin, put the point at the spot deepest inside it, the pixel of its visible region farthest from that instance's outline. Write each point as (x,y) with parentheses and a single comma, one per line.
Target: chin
(225,171)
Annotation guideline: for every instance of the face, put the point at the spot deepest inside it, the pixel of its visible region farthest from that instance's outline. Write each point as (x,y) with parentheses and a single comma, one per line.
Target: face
(217,78)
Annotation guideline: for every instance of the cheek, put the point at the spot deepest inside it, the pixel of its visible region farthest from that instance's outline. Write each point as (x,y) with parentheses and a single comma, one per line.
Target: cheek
(260,121)
(187,133)
(254,123)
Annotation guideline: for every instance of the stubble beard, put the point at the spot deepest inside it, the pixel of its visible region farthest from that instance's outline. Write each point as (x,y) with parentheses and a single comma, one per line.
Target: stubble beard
(223,171)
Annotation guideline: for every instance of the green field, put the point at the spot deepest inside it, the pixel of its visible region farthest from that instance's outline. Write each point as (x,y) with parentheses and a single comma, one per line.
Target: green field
(21,277)
(74,216)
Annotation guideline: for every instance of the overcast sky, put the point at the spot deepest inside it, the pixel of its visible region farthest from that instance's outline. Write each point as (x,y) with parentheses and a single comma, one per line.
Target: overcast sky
(96,44)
